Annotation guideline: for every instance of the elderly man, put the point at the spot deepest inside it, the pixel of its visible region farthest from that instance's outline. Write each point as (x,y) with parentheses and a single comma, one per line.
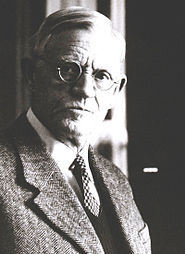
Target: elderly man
(57,195)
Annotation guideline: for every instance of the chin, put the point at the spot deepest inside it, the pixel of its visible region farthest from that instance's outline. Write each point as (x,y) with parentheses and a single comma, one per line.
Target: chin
(70,129)
(86,126)
(81,129)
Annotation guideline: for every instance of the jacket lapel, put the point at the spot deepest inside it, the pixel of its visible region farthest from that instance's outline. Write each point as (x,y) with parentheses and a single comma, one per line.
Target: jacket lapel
(117,196)
(57,204)
(55,201)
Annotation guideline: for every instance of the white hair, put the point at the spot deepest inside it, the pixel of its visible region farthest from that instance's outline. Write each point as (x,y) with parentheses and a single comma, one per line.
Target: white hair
(73,17)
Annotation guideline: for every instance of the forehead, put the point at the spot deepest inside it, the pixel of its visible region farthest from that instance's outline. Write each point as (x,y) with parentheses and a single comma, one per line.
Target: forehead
(81,45)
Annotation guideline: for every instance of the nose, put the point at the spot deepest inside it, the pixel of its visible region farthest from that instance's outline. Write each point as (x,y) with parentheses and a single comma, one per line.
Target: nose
(85,86)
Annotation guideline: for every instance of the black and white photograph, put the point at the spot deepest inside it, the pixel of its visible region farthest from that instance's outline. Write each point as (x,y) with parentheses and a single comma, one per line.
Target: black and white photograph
(92,120)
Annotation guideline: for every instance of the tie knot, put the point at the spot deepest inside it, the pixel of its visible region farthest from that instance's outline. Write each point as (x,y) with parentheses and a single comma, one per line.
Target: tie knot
(80,162)
(78,165)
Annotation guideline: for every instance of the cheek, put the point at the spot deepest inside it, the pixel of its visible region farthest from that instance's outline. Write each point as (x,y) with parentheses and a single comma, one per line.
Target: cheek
(105,101)
(52,100)
(48,90)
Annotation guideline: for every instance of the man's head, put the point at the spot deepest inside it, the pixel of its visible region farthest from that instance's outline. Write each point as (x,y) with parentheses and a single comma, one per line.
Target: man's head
(75,72)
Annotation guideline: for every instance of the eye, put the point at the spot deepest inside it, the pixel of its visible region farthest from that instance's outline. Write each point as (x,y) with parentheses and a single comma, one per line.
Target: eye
(103,80)
(69,71)
(102,76)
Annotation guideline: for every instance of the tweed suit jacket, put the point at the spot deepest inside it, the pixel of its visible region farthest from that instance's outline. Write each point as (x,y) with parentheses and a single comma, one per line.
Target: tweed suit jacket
(39,211)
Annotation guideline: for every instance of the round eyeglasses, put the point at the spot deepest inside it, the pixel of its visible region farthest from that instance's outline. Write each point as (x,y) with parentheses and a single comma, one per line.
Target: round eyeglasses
(70,72)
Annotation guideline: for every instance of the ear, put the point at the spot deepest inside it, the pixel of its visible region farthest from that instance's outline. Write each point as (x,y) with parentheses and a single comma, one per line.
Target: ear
(123,82)
(27,65)
(119,88)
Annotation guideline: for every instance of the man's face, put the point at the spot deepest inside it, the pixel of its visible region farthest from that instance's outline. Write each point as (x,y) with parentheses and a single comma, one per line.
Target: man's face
(72,111)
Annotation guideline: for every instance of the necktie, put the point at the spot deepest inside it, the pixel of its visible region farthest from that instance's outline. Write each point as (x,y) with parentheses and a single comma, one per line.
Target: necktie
(79,170)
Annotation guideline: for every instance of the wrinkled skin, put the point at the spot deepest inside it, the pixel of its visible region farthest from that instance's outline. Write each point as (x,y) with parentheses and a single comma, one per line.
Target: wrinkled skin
(72,113)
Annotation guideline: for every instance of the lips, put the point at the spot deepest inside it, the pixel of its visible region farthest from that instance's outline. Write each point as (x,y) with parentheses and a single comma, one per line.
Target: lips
(64,107)
(79,109)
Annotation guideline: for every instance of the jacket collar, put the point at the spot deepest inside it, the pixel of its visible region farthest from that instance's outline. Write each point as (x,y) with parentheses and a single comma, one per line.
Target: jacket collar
(58,203)
(54,201)
(118,198)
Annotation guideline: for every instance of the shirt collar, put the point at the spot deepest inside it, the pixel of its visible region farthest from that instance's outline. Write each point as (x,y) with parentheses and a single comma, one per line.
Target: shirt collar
(55,147)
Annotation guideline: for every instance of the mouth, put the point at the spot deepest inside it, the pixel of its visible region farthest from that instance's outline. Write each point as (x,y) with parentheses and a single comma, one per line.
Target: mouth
(80,109)
(76,108)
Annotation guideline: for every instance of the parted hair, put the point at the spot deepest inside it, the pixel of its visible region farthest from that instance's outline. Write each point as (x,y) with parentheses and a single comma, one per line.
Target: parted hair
(73,17)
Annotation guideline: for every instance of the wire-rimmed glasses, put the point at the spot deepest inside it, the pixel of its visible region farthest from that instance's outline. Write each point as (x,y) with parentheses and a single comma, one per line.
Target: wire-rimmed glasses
(70,72)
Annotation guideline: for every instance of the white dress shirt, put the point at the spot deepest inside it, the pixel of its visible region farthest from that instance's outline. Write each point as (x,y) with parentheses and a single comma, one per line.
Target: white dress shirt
(62,155)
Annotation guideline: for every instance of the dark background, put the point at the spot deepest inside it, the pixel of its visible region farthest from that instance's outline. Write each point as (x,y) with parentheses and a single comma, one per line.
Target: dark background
(155,34)
(156,117)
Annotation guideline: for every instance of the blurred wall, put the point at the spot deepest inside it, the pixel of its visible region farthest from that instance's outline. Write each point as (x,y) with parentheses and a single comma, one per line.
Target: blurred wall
(7,62)
(156,117)
(19,19)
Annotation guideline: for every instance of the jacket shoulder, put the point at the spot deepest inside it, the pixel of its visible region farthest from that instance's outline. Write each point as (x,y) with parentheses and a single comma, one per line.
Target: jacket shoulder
(110,172)
(6,145)
(8,157)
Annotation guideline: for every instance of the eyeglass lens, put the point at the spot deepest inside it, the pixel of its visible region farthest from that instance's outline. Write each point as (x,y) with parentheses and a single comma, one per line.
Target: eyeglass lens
(70,72)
